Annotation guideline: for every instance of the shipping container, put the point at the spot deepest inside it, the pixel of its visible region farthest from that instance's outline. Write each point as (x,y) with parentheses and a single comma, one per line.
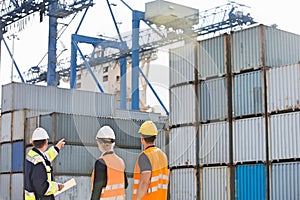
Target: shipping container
(284,88)
(262,45)
(182,64)
(5,186)
(285,181)
(213,56)
(215,183)
(214,143)
(6,120)
(213,99)
(284,136)
(129,156)
(18,156)
(18,124)
(183,183)
(82,189)
(248,93)
(53,99)
(182,104)
(137,115)
(251,182)
(182,146)
(83,129)
(5,157)
(249,140)
(17,191)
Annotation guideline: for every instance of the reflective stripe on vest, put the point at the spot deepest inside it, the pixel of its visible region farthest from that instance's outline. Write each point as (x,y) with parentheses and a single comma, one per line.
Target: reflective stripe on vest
(35,158)
(29,195)
(158,184)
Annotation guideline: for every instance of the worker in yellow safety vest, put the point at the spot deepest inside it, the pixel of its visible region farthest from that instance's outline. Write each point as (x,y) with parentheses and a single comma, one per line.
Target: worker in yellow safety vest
(151,174)
(38,175)
(108,177)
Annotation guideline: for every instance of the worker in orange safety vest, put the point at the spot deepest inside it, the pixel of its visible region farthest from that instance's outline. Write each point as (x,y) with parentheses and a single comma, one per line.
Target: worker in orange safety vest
(151,174)
(108,177)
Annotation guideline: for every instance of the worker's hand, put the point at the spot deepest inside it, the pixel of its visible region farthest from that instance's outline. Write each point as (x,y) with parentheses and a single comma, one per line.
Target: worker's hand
(60,143)
(60,186)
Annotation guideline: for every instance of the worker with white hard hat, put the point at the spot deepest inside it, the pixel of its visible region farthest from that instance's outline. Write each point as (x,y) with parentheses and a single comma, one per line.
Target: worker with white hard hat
(108,177)
(151,173)
(38,177)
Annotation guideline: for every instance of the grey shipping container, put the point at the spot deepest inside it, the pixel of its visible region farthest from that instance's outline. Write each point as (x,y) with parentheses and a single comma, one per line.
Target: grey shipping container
(285,180)
(182,146)
(284,88)
(6,120)
(17,186)
(5,186)
(183,184)
(213,56)
(214,143)
(215,183)
(248,93)
(249,140)
(53,99)
(182,64)
(262,45)
(5,157)
(284,136)
(213,99)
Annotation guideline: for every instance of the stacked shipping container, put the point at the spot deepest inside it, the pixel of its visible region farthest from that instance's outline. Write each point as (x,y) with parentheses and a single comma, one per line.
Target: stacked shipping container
(80,152)
(245,117)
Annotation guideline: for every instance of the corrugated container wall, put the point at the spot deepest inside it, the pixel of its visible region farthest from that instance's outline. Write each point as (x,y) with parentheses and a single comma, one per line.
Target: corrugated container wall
(5,186)
(215,183)
(17,186)
(250,182)
(5,157)
(182,145)
(53,99)
(214,143)
(18,155)
(284,136)
(284,88)
(83,129)
(182,64)
(285,181)
(249,140)
(182,104)
(263,46)
(248,93)
(213,99)
(183,184)
(212,56)
(6,120)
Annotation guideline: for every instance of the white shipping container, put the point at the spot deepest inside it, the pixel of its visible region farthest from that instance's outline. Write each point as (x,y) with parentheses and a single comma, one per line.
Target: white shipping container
(6,120)
(18,124)
(182,104)
(17,186)
(283,88)
(215,183)
(5,187)
(214,143)
(182,64)
(285,181)
(249,140)
(183,184)
(82,189)
(182,146)
(284,136)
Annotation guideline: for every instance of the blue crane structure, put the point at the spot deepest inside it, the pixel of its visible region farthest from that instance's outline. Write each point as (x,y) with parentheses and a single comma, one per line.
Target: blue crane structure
(139,42)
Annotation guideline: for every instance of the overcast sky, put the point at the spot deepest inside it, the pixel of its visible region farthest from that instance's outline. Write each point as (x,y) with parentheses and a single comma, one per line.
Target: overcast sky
(32,42)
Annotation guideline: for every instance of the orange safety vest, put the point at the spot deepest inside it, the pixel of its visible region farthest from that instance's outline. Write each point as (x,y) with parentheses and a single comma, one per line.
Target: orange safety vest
(115,186)
(158,183)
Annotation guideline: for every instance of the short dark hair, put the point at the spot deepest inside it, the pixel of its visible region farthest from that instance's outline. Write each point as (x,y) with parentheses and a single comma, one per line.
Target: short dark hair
(149,139)
(106,140)
(39,143)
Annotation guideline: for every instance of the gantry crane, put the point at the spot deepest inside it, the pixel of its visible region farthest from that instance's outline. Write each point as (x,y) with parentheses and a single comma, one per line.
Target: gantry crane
(209,21)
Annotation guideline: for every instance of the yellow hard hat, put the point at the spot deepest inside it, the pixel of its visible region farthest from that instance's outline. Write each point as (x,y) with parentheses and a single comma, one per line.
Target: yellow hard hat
(148,128)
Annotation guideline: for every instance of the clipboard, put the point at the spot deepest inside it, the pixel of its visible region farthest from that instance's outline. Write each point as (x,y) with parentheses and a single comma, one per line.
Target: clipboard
(67,185)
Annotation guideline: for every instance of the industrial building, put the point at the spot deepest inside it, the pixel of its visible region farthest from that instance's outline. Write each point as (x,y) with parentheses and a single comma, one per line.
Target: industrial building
(230,132)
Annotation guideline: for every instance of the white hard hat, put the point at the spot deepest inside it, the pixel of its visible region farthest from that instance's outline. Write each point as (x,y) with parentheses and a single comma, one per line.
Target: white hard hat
(105,132)
(39,134)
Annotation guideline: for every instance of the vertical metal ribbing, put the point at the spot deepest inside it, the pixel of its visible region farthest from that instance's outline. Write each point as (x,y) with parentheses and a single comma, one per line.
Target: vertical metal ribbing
(230,105)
